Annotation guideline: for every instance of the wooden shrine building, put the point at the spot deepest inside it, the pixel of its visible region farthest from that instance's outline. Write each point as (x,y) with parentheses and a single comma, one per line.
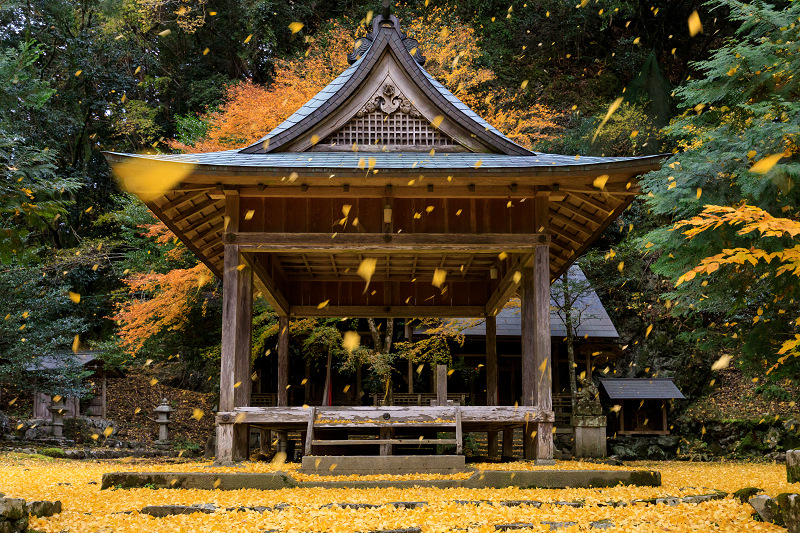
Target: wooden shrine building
(385,167)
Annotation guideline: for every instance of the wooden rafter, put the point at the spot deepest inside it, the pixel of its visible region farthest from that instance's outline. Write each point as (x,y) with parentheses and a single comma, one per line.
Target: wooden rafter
(183,199)
(508,285)
(267,285)
(183,215)
(391,311)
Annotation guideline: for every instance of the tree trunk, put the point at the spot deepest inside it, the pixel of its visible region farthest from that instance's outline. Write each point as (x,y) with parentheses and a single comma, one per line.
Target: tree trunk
(326,393)
(573,382)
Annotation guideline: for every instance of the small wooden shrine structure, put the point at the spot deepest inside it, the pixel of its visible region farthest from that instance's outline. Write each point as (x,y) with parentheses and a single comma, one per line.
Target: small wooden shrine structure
(388,167)
(96,381)
(642,404)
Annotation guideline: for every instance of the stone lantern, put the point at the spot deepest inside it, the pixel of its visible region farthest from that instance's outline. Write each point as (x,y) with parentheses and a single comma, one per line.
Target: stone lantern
(57,408)
(162,417)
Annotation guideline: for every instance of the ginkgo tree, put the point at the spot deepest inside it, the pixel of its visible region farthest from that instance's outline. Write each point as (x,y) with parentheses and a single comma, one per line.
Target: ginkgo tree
(737,145)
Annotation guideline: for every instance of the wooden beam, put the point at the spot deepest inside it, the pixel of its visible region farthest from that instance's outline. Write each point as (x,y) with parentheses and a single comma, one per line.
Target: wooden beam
(399,311)
(385,243)
(507,286)
(267,285)
(210,231)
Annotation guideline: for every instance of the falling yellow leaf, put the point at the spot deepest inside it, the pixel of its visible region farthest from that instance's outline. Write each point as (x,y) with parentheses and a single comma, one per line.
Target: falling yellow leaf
(722,362)
(366,269)
(296,27)
(600,181)
(247,40)
(314,139)
(56,398)
(695,26)
(137,410)
(108,431)
(164,33)
(762,166)
(699,192)
(517,276)
(439,276)
(75,297)
(637,40)
(613,107)
(148,178)
(478,163)
(524,84)
(197,414)
(78,72)
(351,340)
(621,266)
(217,482)
(323,305)
(76,343)
(249,214)
(616,408)
(647,333)
(153,382)
(437,121)
(206,51)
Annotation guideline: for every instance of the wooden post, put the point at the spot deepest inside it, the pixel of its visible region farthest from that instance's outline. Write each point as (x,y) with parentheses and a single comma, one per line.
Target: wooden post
(508,442)
(409,332)
(441,385)
(283,374)
(536,356)
(237,309)
(492,395)
(104,395)
(265,441)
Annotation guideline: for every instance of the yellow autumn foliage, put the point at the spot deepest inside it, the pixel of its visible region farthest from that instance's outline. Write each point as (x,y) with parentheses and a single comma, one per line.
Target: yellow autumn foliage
(86,508)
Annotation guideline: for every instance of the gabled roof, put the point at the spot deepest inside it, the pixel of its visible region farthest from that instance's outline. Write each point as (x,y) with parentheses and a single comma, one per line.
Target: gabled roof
(596,323)
(386,38)
(641,389)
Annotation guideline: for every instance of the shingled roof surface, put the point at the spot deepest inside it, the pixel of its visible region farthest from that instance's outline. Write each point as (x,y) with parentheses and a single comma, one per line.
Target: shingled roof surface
(641,389)
(596,323)
(393,160)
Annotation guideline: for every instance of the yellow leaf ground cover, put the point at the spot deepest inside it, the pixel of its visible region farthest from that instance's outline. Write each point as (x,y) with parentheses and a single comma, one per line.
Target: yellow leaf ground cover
(88,509)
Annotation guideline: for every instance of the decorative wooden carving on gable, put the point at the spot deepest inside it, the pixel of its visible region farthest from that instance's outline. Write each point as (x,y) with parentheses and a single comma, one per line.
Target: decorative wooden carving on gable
(389,121)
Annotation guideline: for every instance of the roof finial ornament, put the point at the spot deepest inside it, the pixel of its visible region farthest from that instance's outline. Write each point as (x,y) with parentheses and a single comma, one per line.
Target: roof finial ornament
(387,21)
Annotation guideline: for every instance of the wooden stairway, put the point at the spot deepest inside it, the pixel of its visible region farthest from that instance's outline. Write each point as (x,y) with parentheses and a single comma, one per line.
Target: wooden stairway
(385,422)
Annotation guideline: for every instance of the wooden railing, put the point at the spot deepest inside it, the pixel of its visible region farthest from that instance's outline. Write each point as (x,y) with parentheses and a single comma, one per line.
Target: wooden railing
(421,399)
(263,399)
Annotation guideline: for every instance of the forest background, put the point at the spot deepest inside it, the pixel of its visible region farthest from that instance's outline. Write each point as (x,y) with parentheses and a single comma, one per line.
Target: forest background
(83,265)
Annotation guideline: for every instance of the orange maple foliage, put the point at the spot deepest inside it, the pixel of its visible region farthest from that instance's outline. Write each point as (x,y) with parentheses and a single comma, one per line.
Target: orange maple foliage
(164,305)
(751,219)
(159,301)
(452,53)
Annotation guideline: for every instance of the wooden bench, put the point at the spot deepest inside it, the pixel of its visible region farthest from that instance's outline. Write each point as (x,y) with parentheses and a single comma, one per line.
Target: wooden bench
(385,421)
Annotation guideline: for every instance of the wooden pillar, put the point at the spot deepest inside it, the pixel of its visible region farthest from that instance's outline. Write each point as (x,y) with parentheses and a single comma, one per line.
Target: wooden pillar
(104,395)
(441,385)
(408,334)
(508,442)
(536,351)
(265,441)
(283,374)
(492,394)
(237,310)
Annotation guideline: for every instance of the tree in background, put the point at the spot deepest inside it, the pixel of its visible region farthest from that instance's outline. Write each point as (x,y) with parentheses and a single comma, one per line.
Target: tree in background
(569,298)
(737,144)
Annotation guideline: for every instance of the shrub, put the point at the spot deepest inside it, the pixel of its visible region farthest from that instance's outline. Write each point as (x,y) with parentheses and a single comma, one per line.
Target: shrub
(54,452)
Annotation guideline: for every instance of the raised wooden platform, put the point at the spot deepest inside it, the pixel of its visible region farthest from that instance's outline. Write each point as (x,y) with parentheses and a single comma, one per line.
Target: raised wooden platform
(343,465)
